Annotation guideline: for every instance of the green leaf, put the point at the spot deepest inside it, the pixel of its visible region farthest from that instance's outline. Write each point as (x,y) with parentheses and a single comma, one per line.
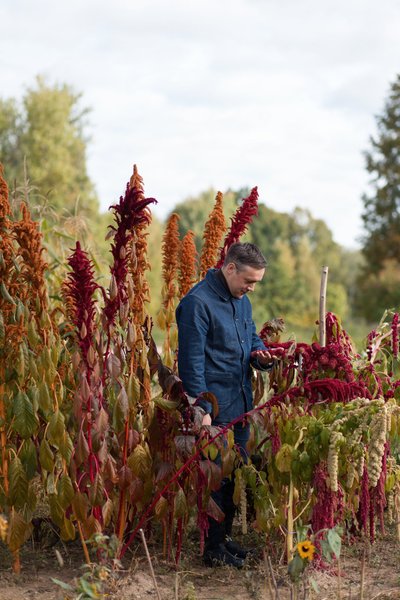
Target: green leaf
(180,504)
(67,531)
(28,458)
(326,550)
(18,531)
(18,483)
(314,585)
(62,584)
(80,505)
(56,428)
(65,491)
(66,447)
(167,405)
(56,510)
(44,398)
(96,491)
(25,421)
(334,541)
(296,567)
(46,456)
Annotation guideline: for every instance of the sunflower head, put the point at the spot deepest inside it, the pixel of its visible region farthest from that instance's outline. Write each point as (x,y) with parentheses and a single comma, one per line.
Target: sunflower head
(306,549)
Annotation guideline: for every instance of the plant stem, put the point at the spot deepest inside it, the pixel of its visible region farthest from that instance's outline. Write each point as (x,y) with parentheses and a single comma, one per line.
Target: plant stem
(84,546)
(290,523)
(271,591)
(16,562)
(277,597)
(3,434)
(322,306)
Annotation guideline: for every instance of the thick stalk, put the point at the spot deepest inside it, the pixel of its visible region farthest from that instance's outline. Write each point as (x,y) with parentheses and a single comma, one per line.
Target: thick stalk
(290,522)
(122,503)
(322,306)
(16,562)
(84,546)
(3,433)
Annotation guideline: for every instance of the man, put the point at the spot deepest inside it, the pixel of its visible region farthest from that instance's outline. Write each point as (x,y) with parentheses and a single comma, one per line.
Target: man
(217,345)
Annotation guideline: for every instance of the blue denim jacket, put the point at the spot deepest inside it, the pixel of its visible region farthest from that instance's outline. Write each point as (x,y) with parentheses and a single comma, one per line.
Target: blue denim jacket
(216,335)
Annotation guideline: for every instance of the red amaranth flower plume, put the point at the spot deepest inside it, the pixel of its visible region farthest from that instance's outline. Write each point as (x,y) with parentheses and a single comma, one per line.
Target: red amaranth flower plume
(327,510)
(78,290)
(129,213)
(395,335)
(242,217)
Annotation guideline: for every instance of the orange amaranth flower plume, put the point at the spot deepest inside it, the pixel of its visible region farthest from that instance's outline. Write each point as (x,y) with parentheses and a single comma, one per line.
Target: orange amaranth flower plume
(170,258)
(188,264)
(29,238)
(138,263)
(214,230)
(242,217)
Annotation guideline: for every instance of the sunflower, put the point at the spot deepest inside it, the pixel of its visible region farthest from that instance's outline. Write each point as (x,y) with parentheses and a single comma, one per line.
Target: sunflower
(306,549)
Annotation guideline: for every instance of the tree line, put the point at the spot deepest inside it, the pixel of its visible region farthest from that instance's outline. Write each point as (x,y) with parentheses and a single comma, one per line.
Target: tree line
(43,146)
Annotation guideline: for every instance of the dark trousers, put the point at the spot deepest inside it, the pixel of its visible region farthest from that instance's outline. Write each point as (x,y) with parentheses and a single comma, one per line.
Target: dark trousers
(217,532)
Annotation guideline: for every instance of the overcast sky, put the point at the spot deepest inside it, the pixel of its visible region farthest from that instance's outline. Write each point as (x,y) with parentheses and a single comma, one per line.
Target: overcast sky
(276,93)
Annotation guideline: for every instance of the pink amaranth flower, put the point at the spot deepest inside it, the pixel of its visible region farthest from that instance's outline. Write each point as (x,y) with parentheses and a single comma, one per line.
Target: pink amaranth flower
(395,335)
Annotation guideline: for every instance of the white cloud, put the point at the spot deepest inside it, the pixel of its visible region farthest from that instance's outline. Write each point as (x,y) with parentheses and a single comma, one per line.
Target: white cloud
(224,93)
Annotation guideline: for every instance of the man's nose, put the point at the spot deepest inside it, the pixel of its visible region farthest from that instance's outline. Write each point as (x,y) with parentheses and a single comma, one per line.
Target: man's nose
(250,288)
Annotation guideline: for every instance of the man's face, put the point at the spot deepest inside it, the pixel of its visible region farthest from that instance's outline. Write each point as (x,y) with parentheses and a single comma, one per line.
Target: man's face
(241,281)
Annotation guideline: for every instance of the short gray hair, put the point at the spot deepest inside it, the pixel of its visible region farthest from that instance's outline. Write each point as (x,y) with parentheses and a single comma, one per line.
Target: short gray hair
(245,255)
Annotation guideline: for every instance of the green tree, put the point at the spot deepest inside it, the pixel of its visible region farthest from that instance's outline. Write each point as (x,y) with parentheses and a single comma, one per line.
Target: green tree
(47,132)
(381,215)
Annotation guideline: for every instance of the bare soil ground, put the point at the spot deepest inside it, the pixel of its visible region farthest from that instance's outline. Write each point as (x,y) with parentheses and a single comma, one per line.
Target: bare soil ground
(192,581)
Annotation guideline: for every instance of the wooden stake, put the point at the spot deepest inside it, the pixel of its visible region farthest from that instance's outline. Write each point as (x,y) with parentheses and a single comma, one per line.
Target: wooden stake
(362,576)
(339,580)
(290,522)
(150,563)
(177,585)
(322,306)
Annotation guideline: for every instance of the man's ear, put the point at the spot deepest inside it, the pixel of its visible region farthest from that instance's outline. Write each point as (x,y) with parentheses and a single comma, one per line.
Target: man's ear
(230,268)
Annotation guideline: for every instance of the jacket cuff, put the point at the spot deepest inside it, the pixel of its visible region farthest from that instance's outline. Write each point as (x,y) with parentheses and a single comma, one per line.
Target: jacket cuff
(206,406)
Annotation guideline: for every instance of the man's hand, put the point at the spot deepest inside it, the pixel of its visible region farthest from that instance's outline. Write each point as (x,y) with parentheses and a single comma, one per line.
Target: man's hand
(206,419)
(263,356)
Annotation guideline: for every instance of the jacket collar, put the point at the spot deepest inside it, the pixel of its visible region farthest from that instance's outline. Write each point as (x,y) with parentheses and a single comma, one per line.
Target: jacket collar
(216,281)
